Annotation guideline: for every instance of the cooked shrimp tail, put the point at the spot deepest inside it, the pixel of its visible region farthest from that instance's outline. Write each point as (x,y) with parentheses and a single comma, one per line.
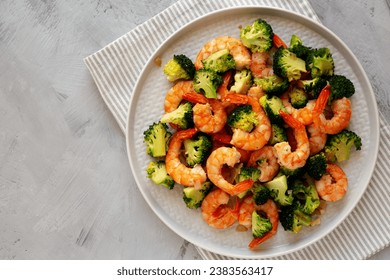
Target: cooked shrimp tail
(194,97)
(322,100)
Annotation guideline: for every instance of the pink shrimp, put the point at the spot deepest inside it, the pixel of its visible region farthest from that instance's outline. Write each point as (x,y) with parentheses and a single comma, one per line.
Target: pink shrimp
(209,114)
(317,139)
(297,158)
(180,173)
(247,207)
(216,212)
(216,161)
(333,185)
(266,161)
(240,53)
(261,66)
(175,95)
(259,136)
(304,115)
(342,112)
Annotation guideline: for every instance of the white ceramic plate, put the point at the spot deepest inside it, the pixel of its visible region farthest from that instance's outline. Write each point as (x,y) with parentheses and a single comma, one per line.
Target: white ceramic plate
(147,107)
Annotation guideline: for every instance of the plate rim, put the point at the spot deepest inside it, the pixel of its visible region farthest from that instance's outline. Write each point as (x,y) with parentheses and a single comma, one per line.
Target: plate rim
(314,25)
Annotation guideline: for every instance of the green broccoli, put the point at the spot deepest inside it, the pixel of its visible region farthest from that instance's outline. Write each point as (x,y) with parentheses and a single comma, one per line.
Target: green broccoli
(197,149)
(193,197)
(182,116)
(297,47)
(260,225)
(272,106)
(156,138)
(340,87)
(316,166)
(320,62)
(157,172)
(272,85)
(260,194)
(220,61)
(292,173)
(293,218)
(179,67)
(287,65)
(298,97)
(338,146)
(248,173)
(279,190)
(242,81)
(243,117)
(258,37)
(207,82)
(313,87)
(306,194)
(278,134)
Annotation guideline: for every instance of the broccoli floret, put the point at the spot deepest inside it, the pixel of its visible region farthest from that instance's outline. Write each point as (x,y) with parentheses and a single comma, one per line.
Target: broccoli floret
(298,98)
(260,194)
(338,146)
(278,190)
(179,67)
(291,173)
(313,87)
(248,173)
(207,82)
(306,194)
(158,174)
(287,65)
(197,149)
(242,81)
(272,85)
(312,200)
(340,87)
(316,166)
(272,106)
(156,138)
(320,62)
(278,134)
(219,62)
(243,117)
(258,37)
(260,225)
(182,116)
(297,47)
(293,218)
(193,197)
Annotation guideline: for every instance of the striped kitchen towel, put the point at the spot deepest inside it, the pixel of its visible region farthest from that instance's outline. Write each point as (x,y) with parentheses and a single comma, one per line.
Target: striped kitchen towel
(116,67)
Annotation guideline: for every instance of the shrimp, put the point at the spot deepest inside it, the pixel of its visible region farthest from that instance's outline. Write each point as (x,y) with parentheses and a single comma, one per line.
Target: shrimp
(256,92)
(333,185)
(271,212)
(247,207)
(317,139)
(236,48)
(261,66)
(342,112)
(180,173)
(259,136)
(216,212)
(304,115)
(297,158)
(175,95)
(266,161)
(216,161)
(209,114)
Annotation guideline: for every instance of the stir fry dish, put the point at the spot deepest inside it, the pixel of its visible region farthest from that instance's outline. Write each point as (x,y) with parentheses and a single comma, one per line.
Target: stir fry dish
(254,131)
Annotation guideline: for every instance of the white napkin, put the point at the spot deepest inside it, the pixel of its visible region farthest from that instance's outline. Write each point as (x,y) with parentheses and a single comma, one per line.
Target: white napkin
(116,67)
